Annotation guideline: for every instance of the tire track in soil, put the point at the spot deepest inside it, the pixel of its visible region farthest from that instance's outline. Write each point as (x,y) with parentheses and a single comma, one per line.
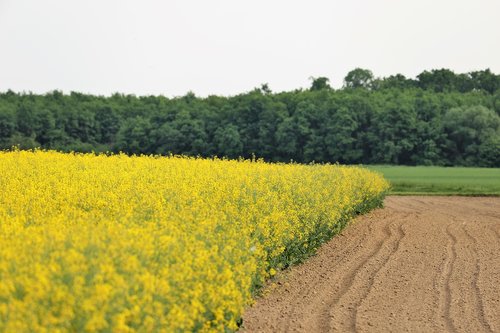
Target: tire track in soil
(363,291)
(348,280)
(420,264)
(328,282)
(473,260)
(445,290)
(475,283)
(401,234)
(310,287)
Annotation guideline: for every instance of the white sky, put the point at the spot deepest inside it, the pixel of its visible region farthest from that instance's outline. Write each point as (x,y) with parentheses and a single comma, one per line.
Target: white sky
(226,47)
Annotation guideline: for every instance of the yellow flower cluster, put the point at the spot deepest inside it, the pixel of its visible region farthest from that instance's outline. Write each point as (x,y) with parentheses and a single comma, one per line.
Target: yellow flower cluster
(157,244)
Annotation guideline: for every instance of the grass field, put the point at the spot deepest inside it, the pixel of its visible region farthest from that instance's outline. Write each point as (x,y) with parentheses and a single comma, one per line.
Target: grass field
(406,180)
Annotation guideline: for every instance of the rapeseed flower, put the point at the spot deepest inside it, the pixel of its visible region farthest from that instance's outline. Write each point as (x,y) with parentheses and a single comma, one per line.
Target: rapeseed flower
(158,244)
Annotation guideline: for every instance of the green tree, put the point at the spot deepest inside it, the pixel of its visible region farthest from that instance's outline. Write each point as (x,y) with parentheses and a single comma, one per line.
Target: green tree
(44,126)
(397,81)
(320,83)
(394,120)
(81,125)
(293,133)
(107,123)
(341,138)
(227,141)
(472,133)
(396,129)
(134,136)
(485,80)
(7,124)
(438,80)
(359,78)
(26,119)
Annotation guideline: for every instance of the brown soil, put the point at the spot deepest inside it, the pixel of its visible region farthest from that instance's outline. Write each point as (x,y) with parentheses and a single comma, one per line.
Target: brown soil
(421,264)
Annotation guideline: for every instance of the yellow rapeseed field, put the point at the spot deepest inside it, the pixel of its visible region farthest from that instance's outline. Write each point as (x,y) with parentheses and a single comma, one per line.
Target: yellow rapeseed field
(158,244)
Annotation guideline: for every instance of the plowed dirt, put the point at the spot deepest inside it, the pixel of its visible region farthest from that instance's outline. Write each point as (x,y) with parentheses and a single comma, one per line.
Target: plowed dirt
(421,264)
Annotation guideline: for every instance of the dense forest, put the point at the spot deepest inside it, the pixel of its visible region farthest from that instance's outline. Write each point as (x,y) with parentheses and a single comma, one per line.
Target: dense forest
(438,118)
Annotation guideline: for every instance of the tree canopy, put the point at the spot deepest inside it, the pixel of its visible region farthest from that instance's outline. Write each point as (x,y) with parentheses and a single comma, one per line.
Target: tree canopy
(439,118)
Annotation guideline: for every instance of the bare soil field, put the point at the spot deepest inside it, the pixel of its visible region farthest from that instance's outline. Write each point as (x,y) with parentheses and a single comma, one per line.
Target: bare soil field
(421,264)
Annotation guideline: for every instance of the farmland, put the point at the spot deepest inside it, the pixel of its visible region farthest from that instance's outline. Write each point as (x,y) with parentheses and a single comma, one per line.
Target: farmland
(420,264)
(407,180)
(148,243)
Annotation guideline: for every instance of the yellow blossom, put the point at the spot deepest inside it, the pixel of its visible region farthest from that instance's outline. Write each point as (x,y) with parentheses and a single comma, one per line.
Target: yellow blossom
(95,243)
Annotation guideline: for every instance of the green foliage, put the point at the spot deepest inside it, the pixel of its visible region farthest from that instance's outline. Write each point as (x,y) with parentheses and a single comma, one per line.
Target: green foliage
(320,83)
(359,78)
(472,134)
(440,118)
(227,141)
(7,122)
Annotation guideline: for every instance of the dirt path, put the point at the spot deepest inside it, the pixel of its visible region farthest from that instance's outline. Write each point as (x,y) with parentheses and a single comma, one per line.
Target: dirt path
(421,264)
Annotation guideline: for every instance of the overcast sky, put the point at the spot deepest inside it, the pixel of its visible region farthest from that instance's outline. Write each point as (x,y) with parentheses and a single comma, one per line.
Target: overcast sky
(226,47)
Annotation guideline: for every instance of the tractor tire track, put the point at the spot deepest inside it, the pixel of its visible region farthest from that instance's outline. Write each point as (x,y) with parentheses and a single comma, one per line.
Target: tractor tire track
(348,280)
(445,304)
(400,235)
(475,283)
(422,264)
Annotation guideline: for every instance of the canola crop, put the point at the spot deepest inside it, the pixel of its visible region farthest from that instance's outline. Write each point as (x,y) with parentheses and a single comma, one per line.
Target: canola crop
(96,243)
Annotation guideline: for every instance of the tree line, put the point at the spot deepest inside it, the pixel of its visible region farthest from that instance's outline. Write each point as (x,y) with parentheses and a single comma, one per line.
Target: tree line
(438,118)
